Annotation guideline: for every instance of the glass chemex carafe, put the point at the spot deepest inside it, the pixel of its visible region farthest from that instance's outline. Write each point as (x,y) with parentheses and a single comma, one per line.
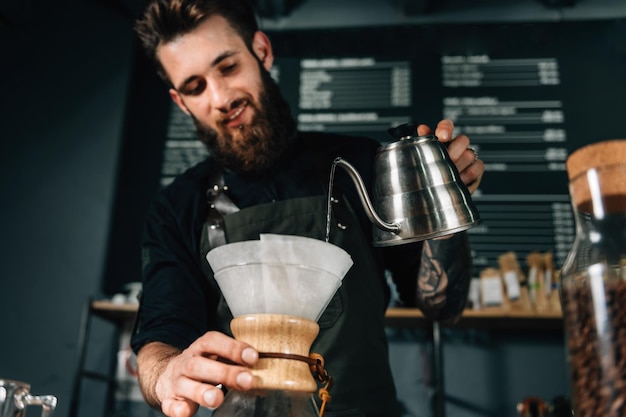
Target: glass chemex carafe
(593,280)
(277,288)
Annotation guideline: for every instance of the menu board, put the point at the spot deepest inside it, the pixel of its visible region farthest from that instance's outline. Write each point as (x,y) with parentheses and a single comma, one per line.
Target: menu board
(520,134)
(523,141)
(527,95)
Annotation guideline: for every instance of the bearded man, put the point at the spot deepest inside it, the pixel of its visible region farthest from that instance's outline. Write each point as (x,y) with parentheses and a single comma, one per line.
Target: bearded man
(263,176)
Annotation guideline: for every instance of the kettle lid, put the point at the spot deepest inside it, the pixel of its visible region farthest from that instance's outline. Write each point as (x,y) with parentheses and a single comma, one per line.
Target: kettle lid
(403,131)
(406,137)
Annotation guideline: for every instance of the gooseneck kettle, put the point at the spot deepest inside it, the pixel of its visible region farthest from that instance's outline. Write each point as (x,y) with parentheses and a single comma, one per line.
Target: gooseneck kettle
(417,192)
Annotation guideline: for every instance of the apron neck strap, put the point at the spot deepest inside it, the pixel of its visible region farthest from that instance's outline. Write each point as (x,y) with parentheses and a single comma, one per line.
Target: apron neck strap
(218,206)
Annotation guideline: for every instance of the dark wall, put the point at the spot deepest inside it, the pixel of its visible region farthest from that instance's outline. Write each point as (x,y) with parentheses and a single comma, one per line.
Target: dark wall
(64,69)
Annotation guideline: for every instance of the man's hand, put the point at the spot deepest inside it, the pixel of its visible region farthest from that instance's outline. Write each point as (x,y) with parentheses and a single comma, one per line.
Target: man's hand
(464,157)
(179,382)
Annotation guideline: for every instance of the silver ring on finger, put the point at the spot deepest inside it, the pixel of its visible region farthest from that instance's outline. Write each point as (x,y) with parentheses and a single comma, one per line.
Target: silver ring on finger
(470,148)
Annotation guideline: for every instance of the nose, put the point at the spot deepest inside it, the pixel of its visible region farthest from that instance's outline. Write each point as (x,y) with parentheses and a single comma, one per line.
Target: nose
(220,95)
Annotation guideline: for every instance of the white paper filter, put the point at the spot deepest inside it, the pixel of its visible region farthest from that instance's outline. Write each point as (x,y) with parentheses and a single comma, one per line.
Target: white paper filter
(279,274)
(317,253)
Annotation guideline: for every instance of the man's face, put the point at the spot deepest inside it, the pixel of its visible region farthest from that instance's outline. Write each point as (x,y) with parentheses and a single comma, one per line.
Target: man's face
(237,108)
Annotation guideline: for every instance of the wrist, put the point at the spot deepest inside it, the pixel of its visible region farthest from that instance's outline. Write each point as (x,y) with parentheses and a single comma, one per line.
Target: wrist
(152,362)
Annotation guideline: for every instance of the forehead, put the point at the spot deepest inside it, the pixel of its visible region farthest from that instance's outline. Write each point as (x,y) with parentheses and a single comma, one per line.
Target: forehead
(211,39)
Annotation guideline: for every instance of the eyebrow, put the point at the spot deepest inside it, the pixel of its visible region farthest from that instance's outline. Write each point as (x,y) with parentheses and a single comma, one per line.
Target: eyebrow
(215,63)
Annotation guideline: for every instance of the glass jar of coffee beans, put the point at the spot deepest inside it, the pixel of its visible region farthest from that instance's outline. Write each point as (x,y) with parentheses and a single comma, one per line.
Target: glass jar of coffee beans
(593,280)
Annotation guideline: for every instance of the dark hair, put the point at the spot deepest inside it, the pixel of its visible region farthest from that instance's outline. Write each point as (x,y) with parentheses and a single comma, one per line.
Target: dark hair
(164,20)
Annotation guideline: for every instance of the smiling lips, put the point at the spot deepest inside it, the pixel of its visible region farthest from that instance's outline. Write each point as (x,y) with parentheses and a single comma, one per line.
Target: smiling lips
(235,118)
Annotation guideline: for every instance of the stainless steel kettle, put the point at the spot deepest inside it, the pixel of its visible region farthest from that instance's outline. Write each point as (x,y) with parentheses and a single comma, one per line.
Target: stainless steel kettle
(15,396)
(417,191)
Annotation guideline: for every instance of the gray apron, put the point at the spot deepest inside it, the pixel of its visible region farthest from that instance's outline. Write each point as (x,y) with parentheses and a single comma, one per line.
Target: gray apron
(352,339)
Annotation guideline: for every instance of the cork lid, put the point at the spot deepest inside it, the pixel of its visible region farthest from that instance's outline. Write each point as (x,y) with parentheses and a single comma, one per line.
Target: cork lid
(608,158)
(610,152)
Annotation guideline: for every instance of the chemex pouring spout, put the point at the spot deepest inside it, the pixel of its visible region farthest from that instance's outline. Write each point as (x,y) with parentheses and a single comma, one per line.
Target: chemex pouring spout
(417,192)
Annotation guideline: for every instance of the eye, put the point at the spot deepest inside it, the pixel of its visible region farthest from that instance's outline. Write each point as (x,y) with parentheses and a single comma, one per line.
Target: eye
(227,69)
(194,87)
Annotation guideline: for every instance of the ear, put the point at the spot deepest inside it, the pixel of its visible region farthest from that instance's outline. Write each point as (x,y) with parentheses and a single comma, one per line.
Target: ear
(179,101)
(262,47)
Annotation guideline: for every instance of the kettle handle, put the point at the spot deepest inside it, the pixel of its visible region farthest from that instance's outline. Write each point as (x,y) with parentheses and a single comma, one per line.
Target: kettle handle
(47,403)
(365,200)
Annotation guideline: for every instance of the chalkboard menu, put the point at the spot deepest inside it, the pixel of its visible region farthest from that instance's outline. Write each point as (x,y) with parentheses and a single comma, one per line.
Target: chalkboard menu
(527,94)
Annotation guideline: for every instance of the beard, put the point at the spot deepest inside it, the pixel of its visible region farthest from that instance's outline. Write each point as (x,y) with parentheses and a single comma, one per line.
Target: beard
(256,148)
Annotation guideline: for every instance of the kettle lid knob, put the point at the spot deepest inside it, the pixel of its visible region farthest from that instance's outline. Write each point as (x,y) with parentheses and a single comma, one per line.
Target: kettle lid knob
(403,131)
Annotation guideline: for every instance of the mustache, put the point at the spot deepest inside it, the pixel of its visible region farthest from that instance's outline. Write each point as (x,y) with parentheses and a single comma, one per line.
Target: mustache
(239,102)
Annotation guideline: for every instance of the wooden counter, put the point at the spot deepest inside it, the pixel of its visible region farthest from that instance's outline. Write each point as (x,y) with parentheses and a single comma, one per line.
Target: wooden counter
(491,317)
(488,318)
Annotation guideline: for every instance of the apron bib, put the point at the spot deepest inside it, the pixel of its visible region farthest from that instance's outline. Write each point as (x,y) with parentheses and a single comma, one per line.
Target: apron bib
(352,339)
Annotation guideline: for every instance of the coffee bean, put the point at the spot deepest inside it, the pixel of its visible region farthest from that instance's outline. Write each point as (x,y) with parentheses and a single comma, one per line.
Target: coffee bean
(597,357)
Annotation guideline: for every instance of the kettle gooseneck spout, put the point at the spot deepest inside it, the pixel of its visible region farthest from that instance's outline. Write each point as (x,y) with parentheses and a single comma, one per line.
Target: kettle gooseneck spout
(367,203)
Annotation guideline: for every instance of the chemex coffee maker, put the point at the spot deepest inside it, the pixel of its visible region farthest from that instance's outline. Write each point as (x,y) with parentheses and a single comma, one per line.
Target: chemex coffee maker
(15,396)
(277,288)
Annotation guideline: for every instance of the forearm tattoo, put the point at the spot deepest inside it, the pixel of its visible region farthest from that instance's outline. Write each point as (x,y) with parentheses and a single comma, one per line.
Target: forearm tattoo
(444,277)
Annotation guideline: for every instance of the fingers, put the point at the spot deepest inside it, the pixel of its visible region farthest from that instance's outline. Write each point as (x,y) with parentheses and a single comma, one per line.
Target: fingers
(465,158)
(199,362)
(202,370)
(472,175)
(443,131)
(222,346)
(190,379)
(178,408)
(423,130)
(459,152)
(189,393)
